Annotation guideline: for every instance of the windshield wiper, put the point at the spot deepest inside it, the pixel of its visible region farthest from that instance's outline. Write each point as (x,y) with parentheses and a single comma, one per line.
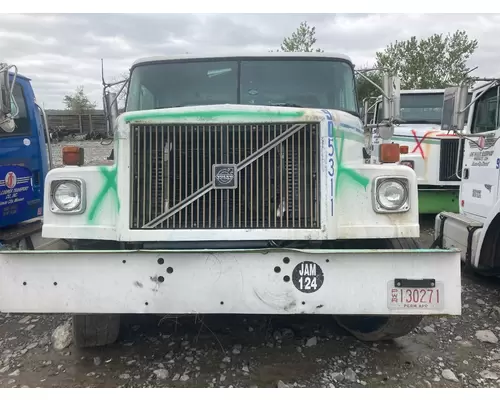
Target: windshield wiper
(285,105)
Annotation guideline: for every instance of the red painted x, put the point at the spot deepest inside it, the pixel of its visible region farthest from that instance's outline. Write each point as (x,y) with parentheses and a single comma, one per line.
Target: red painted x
(419,142)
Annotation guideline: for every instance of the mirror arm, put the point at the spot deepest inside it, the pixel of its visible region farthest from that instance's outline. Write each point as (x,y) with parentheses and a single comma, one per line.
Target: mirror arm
(486,88)
(4,68)
(47,134)
(373,83)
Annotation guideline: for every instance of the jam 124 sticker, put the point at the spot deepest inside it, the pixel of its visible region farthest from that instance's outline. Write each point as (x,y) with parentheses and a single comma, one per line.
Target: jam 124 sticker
(308,277)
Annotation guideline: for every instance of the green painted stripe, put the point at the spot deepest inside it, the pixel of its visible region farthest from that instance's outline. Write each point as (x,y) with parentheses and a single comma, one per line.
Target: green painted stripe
(210,115)
(412,140)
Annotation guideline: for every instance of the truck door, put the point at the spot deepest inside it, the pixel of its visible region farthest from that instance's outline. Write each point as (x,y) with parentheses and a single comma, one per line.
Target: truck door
(480,175)
(23,164)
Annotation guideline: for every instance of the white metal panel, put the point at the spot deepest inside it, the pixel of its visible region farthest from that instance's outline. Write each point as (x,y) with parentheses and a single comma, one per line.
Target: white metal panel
(479,192)
(110,221)
(185,282)
(456,233)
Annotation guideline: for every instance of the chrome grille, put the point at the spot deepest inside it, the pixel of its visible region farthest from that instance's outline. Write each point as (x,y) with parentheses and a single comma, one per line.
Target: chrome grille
(171,173)
(448,160)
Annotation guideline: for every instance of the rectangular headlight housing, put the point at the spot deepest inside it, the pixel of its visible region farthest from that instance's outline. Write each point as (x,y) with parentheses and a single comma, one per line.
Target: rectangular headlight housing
(391,194)
(67,196)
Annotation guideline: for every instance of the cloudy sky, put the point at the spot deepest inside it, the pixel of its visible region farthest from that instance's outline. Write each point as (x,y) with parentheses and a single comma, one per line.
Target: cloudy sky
(61,51)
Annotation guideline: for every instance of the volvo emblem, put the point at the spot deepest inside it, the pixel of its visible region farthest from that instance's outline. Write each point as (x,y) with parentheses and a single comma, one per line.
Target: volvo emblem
(225,176)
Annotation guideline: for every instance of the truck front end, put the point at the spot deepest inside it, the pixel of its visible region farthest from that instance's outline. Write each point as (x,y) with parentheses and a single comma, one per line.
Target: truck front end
(436,155)
(238,187)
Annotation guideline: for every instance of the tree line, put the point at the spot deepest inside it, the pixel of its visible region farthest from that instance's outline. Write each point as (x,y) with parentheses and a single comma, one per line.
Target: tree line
(433,62)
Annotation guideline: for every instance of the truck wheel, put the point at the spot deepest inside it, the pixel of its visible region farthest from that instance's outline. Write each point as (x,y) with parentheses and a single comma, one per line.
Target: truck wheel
(92,330)
(373,329)
(379,328)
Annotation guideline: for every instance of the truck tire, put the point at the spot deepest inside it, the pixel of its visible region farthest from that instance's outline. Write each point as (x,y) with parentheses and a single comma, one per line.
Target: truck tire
(380,328)
(92,330)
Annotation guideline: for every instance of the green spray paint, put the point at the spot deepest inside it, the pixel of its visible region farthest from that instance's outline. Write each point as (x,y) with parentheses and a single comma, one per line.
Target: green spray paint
(342,170)
(109,175)
(207,115)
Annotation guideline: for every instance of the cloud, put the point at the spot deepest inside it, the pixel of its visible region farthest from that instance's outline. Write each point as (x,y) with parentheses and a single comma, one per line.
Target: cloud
(62,51)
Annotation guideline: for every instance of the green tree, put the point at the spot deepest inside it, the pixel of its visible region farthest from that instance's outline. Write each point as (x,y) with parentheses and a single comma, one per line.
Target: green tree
(78,102)
(302,40)
(434,62)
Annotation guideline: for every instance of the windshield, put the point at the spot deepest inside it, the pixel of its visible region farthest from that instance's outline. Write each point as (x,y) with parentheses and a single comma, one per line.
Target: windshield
(420,108)
(312,83)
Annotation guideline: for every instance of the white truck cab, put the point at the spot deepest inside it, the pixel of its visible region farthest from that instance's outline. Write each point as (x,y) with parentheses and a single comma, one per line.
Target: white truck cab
(475,229)
(238,186)
(431,152)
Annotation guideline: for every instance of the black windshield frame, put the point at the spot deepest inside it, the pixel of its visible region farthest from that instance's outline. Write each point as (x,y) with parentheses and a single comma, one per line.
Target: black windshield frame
(439,95)
(238,63)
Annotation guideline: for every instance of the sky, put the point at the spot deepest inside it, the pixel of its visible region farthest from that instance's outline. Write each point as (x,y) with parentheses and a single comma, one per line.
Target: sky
(62,51)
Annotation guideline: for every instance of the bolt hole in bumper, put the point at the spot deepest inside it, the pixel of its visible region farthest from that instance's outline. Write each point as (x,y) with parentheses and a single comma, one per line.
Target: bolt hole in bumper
(278,281)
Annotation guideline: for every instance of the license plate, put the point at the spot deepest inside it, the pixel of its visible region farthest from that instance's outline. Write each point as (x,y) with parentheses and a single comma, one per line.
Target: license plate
(415,298)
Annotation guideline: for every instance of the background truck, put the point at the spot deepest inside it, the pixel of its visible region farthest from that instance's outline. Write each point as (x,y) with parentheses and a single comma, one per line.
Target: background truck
(25,158)
(433,153)
(475,229)
(238,186)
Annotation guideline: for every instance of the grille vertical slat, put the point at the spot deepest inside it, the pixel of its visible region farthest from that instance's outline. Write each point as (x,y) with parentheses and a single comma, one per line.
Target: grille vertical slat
(448,160)
(279,189)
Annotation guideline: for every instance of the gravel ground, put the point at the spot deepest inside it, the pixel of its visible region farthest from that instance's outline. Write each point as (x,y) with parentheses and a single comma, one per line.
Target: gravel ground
(257,351)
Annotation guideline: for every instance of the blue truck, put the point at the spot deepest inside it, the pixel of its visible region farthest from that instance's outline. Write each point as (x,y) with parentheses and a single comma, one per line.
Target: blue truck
(25,158)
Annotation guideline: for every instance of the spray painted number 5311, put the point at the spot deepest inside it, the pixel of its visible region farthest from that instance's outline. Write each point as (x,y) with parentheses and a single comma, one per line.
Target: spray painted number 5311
(331,171)
(330,156)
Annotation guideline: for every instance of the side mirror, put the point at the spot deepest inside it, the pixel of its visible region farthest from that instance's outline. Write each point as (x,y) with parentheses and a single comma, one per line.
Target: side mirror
(391,104)
(7,105)
(454,101)
(5,102)
(385,131)
(111,109)
(392,99)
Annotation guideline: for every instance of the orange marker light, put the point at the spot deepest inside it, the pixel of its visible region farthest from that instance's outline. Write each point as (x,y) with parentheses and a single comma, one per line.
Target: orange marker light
(403,149)
(389,152)
(73,155)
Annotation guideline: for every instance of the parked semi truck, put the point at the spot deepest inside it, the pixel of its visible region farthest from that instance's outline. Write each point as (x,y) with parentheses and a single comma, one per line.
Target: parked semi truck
(475,228)
(25,159)
(432,152)
(238,186)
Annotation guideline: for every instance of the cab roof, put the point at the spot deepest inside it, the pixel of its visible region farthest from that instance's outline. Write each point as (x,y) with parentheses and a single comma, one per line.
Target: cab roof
(19,76)
(187,57)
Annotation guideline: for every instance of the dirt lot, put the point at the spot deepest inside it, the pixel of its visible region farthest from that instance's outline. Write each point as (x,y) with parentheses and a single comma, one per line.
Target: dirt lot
(247,351)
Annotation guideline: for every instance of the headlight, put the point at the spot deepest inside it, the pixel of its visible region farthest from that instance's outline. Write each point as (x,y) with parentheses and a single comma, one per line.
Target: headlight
(391,195)
(67,196)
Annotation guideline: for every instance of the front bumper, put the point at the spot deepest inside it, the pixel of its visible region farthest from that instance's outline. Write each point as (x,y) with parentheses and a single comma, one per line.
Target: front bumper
(233,281)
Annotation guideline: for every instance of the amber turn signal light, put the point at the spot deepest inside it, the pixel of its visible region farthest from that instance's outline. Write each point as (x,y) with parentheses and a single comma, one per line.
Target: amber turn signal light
(389,152)
(403,149)
(73,155)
